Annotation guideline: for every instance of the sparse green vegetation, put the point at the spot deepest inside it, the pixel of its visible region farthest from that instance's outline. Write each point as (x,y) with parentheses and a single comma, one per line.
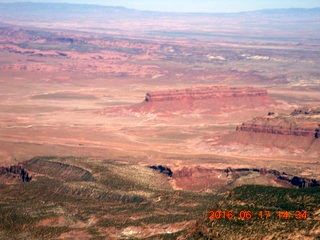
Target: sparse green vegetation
(73,81)
(279,198)
(257,198)
(119,197)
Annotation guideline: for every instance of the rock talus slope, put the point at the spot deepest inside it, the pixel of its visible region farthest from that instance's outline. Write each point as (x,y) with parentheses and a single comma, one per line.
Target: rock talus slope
(204,100)
(295,132)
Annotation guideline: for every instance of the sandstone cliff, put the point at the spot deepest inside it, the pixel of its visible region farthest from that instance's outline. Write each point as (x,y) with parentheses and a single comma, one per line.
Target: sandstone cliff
(278,130)
(299,123)
(202,93)
(231,103)
(297,132)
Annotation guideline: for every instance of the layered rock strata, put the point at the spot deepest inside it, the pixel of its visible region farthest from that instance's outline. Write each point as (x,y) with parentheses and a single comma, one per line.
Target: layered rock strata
(271,129)
(301,122)
(296,133)
(202,93)
(207,100)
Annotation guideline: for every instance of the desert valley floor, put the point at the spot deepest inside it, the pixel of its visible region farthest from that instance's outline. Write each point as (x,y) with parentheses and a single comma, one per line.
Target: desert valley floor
(136,133)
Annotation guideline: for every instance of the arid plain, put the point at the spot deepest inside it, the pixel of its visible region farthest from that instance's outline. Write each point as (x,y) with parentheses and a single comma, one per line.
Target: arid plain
(76,91)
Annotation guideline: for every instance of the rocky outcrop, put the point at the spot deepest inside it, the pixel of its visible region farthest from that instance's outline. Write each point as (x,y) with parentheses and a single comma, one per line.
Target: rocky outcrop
(162,169)
(202,93)
(301,122)
(204,101)
(306,111)
(14,174)
(281,130)
(277,135)
(201,179)
(297,181)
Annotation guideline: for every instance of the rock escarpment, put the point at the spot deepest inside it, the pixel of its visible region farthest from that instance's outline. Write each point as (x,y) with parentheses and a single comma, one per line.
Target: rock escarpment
(205,100)
(297,132)
(201,179)
(58,170)
(303,122)
(280,130)
(203,93)
(208,103)
(14,174)
(296,181)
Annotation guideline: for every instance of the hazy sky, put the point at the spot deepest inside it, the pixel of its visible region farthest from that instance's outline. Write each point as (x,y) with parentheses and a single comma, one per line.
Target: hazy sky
(196,5)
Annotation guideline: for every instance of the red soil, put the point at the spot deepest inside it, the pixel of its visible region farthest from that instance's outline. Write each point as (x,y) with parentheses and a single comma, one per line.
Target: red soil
(292,134)
(204,100)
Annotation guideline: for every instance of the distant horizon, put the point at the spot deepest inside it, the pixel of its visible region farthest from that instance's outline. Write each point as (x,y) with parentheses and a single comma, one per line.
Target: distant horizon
(190,6)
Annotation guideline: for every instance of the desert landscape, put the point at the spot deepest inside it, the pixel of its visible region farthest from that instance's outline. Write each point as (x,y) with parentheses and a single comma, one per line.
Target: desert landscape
(124,124)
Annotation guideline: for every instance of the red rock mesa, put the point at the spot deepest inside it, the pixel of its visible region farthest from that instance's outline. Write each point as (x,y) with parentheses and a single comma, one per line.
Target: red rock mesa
(204,99)
(298,131)
(202,93)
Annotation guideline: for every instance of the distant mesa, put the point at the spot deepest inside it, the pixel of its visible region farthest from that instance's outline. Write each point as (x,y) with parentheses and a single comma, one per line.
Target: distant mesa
(295,133)
(303,122)
(202,100)
(203,93)
(269,128)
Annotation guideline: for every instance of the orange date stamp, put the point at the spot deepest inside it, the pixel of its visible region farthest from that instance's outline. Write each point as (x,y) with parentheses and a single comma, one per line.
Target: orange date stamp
(261,214)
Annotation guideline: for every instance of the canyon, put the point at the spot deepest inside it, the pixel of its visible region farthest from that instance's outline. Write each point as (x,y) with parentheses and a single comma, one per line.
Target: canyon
(125,124)
(202,179)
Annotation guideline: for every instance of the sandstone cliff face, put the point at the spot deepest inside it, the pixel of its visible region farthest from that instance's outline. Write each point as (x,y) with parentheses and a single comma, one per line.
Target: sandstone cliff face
(219,104)
(270,129)
(202,93)
(206,101)
(298,123)
(295,133)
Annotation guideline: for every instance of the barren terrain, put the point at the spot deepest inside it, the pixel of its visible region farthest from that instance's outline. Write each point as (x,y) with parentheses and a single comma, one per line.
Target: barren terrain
(108,102)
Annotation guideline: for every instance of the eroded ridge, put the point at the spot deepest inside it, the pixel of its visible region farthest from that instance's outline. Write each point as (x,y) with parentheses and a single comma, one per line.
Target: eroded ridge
(64,171)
